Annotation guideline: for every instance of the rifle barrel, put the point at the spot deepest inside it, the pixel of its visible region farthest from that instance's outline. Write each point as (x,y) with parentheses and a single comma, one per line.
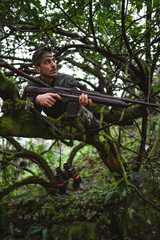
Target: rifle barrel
(126,100)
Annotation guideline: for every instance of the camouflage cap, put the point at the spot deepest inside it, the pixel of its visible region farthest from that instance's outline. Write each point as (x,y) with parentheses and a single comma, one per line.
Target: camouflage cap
(40,54)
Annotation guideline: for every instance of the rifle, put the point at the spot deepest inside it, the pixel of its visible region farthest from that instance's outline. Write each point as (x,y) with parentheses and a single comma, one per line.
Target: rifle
(71,95)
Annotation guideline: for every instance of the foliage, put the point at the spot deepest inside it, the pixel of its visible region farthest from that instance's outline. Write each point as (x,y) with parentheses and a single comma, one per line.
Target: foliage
(87,203)
(34,214)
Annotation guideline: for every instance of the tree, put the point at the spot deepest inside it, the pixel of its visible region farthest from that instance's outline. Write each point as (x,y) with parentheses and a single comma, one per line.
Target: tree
(116,46)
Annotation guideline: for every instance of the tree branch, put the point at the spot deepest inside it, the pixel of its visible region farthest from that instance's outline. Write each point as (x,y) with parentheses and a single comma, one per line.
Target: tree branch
(14,143)
(29,180)
(21,73)
(91,22)
(123,17)
(73,153)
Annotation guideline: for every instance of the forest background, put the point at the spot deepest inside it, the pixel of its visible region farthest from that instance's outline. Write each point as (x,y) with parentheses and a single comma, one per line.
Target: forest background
(111,47)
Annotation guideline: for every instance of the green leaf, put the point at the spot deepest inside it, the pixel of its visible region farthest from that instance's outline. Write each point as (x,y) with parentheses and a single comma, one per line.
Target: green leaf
(108,196)
(34,229)
(44,234)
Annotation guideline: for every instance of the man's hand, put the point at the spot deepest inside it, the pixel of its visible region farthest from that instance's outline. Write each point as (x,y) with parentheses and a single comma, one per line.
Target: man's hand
(84,101)
(47,99)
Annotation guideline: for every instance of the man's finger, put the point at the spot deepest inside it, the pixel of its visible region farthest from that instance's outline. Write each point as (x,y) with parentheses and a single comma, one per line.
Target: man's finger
(85,99)
(54,95)
(90,102)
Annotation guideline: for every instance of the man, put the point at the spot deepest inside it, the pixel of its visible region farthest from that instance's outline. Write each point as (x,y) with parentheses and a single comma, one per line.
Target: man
(51,103)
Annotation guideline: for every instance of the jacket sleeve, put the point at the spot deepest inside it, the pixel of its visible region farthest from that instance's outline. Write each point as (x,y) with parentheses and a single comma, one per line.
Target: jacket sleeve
(32,99)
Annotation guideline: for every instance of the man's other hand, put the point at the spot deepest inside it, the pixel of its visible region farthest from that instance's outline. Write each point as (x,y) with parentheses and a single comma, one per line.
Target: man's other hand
(84,100)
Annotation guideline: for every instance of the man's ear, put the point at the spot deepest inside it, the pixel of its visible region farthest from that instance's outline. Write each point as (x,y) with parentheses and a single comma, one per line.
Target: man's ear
(37,68)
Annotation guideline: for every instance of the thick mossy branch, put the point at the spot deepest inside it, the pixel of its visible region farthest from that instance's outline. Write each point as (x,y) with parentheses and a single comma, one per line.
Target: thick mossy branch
(23,123)
(108,151)
(13,107)
(19,122)
(27,124)
(130,114)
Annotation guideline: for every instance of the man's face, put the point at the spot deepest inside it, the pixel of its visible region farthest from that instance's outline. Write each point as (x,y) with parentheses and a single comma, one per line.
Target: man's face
(47,68)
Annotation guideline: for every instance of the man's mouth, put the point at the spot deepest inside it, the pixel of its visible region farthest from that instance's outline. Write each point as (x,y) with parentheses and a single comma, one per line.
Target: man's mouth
(53,71)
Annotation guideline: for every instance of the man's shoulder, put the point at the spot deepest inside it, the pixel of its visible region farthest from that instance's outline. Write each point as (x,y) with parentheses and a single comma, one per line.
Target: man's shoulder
(36,84)
(31,83)
(63,79)
(64,76)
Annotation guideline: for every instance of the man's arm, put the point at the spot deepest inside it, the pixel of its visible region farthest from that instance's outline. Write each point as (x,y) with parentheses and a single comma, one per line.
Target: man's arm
(49,99)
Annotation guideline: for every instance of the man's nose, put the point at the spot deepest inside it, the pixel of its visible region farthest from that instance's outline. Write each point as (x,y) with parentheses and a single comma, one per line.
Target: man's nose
(53,64)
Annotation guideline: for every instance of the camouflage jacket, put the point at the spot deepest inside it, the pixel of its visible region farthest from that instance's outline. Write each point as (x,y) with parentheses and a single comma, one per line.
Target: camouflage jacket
(62,80)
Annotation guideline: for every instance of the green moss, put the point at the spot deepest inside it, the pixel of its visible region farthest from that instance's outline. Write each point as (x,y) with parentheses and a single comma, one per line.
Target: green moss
(7,124)
(5,81)
(103,139)
(19,105)
(31,124)
(10,107)
(7,106)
